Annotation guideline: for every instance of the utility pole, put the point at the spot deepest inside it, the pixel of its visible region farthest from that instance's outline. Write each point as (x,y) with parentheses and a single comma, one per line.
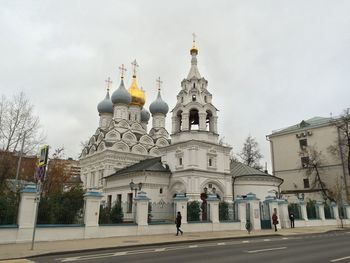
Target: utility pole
(19,160)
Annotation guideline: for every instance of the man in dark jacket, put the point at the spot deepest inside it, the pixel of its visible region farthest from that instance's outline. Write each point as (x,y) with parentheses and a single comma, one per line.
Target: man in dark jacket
(291,217)
(178,223)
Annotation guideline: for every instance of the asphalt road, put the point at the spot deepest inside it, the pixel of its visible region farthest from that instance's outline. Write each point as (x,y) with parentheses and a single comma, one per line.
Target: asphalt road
(328,247)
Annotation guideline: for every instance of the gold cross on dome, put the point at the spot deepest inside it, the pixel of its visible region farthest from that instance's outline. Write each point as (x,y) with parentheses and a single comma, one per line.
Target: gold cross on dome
(134,65)
(109,82)
(122,71)
(194,37)
(159,83)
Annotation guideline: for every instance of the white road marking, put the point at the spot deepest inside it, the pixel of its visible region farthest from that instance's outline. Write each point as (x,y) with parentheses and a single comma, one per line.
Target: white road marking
(267,240)
(221,244)
(284,238)
(193,246)
(159,249)
(339,259)
(17,261)
(245,241)
(266,249)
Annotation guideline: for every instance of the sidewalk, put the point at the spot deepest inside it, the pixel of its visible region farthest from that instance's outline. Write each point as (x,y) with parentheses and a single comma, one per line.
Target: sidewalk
(22,250)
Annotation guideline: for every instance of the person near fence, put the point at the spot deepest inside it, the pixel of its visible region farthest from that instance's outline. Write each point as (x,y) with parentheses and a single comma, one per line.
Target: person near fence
(291,218)
(275,219)
(178,223)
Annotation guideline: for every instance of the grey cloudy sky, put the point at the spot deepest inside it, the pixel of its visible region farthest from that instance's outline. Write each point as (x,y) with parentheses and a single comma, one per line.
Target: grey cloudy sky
(269,64)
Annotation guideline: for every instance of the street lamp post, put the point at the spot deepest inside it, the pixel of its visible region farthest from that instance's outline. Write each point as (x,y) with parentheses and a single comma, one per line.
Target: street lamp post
(135,187)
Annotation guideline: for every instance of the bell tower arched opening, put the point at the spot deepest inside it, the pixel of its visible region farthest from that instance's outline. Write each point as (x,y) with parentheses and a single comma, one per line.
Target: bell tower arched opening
(209,121)
(179,121)
(194,120)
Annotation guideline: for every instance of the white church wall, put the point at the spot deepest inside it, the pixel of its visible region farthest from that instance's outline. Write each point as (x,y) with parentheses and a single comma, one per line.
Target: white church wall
(261,189)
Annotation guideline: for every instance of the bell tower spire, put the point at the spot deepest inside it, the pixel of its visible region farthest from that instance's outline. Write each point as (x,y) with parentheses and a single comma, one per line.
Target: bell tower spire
(194,73)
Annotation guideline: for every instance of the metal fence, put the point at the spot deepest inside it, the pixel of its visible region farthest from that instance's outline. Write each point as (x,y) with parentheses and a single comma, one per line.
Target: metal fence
(228,212)
(118,213)
(9,202)
(161,212)
(296,210)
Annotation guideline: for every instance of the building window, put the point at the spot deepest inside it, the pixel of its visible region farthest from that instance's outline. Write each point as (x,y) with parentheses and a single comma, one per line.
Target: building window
(161,190)
(210,162)
(180,161)
(129,204)
(194,98)
(306,183)
(119,198)
(182,99)
(303,144)
(109,201)
(205,99)
(305,161)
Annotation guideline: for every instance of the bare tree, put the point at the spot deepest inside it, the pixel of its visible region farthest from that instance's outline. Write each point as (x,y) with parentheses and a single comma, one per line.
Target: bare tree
(341,148)
(313,162)
(250,154)
(17,118)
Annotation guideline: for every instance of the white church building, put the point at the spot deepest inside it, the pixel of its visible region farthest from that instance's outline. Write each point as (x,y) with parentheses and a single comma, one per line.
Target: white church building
(123,153)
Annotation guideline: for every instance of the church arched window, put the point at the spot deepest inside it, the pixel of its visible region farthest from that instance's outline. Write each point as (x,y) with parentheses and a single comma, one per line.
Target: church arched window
(194,119)
(182,99)
(194,98)
(205,99)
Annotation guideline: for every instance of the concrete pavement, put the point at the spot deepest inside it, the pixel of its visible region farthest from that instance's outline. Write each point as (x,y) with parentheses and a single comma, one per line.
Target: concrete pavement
(22,250)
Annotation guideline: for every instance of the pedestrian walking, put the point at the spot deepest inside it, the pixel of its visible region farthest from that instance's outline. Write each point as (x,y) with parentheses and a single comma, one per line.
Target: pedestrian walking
(291,218)
(275,219)
(178,223)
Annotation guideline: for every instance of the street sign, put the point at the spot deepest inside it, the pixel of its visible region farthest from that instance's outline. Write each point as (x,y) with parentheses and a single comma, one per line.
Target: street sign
(40,173)
(43,155)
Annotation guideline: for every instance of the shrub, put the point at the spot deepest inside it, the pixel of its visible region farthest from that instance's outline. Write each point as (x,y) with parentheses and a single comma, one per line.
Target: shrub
(117,215)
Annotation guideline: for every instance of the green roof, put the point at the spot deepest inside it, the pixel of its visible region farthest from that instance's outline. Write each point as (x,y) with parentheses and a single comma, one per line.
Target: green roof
(304,124)
(238,169)
(154,165)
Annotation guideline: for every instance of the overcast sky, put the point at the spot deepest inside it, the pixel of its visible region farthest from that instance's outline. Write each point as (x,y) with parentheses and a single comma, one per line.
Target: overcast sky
(270,64)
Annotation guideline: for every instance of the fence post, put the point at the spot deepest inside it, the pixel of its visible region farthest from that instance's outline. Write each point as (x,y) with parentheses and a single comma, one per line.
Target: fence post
(347,211)
(213,202)
(241,207)
(92,201)
(141,201)
(273,205)
(254,211)
(303,210)
(180,201)
(26,213)
(321,213)
(284,214)
(335,210)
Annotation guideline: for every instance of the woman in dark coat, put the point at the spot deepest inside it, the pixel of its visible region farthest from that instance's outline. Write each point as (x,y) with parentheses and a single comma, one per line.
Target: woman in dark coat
(178,223)
(275,220)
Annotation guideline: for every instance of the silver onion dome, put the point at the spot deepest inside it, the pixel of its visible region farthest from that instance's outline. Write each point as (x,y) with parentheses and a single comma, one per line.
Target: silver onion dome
(106,105)
(121,95)
(159,106)
(145,116)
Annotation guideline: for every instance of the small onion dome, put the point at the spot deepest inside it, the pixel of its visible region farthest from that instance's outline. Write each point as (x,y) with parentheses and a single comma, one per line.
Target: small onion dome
(106,105)
(159,106)
(121,95)
(145,116)
(137,95)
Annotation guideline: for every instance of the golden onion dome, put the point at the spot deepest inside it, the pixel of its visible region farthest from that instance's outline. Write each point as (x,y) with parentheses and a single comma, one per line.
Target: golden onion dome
(137,95)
